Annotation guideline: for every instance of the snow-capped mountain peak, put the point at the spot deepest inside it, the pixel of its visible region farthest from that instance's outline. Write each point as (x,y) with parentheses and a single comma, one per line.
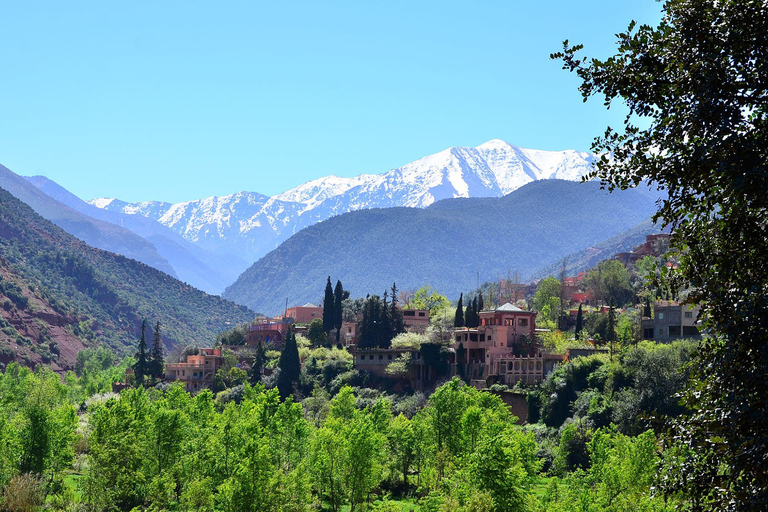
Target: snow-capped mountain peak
(250,224)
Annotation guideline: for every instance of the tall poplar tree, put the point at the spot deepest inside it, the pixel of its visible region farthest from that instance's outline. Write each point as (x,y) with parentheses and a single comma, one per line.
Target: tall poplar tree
(458,319)
(328,302)
(338,296)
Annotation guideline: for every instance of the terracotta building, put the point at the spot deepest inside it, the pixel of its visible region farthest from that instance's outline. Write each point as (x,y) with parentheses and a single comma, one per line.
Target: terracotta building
(198,371)
(304,314)
(416,320)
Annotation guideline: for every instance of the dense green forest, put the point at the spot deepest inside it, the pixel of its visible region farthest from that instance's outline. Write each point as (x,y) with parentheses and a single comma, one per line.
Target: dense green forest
(72,445)
(54,283)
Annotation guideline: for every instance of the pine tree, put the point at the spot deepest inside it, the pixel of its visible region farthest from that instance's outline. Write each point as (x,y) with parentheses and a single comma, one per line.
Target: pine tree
(290,366)
(328,316)
(385,323)
(396,313)
(158,360)
(458,319)
(579,322)
(141,366)
(338,296)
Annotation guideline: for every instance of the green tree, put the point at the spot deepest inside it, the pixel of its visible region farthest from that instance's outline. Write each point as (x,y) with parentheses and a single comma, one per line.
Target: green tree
(329,318)
(397,324)
(338,309)
(316,333)
(157,358)
(698,81)
(579,322)
(428,298)
(547,299)
(142,367)
(609,282)
(290,366)
(458,319)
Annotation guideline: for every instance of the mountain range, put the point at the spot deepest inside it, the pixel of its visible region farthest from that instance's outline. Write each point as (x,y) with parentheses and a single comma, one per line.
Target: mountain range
(59,295)
(247,225)
(451,245)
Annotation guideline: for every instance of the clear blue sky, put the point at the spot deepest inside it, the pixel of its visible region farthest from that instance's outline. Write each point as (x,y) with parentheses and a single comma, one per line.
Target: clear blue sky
(178,100)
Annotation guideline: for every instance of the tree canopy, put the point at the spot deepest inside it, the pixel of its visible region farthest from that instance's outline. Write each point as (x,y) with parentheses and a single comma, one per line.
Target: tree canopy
(696,86)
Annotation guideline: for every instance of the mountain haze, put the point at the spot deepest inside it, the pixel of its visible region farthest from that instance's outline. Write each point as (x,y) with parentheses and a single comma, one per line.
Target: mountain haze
(448,245)
(200,268)
(58,295)
(94,232)
(249,224)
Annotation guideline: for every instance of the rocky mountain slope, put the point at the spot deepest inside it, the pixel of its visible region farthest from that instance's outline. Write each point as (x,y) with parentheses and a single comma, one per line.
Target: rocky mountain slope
(449,244)
(58,294)
(94,232)
(249,225)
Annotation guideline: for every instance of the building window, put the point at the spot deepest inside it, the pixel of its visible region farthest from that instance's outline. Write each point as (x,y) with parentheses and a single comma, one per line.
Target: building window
(489,337)
(688,314)
(421,313)
(381,356)
(389,357)
(661,317)
(661,332)
(523,322)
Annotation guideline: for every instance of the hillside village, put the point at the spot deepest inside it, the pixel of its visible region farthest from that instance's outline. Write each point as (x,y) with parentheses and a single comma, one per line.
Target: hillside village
(512,342)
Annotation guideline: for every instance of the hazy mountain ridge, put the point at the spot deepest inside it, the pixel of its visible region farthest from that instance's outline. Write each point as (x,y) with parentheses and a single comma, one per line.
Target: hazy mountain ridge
(95,232)
(192,264)
(251,224)
(444,245)
(61,290)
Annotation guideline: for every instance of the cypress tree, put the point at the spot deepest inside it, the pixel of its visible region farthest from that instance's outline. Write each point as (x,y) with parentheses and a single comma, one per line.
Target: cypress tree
(158,359)
(396,313)
(475,313)
(579,322)
(290,366)
(254,375)
(480,305)
(458,319)
(385,322)
(141,366)
(328,316)
(338,296)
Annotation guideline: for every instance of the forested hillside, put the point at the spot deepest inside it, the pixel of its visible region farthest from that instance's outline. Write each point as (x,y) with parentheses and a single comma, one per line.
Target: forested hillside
(447,245)
(58,294)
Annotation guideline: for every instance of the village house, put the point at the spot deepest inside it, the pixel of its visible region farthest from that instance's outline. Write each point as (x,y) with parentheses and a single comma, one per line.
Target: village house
(267,331)
(670,321)
(304,314)
(503,348)
(416,320)
(197,372)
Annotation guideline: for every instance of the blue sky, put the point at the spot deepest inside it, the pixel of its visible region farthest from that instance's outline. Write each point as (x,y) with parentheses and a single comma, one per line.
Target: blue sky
(179,100)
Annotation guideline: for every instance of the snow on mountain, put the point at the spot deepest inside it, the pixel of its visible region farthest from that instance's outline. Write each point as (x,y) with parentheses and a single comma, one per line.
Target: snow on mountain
(250,224)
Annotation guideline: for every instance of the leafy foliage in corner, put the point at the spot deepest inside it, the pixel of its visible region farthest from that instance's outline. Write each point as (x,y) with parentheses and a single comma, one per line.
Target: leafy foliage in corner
(699,81)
